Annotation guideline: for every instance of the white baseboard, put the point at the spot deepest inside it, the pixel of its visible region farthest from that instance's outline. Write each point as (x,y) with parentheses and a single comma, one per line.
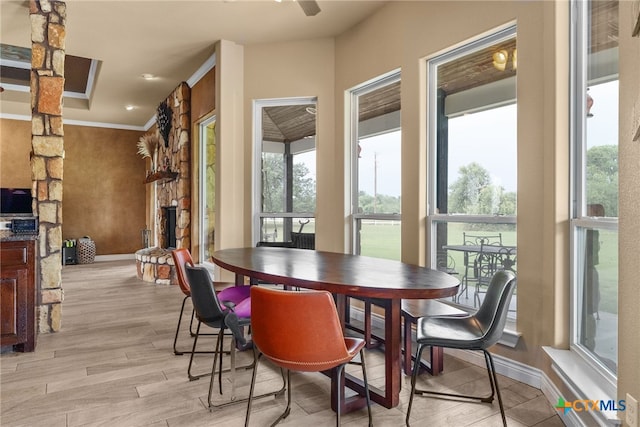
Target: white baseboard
(509,368)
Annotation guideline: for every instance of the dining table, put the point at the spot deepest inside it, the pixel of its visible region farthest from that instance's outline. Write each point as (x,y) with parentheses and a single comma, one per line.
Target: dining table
(347,275)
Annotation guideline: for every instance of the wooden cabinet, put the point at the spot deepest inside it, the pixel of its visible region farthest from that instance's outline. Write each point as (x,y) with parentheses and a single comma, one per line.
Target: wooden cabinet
(17,294)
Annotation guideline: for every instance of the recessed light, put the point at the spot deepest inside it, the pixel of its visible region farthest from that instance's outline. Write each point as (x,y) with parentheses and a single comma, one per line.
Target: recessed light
(129,107)
(148,76)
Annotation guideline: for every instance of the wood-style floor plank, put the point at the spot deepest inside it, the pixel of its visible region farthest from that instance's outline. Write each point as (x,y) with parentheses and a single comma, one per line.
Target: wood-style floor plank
(112,364)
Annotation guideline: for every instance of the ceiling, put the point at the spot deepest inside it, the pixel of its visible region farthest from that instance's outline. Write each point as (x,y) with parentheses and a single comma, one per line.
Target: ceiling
(132,38)
(169,39)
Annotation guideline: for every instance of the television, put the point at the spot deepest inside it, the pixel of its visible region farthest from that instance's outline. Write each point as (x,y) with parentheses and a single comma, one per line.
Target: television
(16,202)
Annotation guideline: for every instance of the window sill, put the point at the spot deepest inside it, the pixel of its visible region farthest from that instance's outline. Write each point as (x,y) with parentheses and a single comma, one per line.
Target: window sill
(584,382)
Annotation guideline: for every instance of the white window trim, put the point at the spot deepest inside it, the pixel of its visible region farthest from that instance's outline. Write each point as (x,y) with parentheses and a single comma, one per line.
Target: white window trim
(352,98)
(202,192)
(256,207)
(580,372)
(510,336)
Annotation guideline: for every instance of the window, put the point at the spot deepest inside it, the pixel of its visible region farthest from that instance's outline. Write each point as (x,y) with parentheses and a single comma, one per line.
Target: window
(472,137)
(285,165)
(375,153)
(207,188)
(594,225)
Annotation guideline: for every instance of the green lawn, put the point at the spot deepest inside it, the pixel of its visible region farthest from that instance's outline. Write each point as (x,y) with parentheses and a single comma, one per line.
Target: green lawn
(382,240)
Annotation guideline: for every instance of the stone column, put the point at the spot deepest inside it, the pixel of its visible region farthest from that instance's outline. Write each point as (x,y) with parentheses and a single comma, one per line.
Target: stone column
(48,19)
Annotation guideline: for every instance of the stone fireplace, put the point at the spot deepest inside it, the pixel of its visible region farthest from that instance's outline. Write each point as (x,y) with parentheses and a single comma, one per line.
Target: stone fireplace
(171,176)
(167,227)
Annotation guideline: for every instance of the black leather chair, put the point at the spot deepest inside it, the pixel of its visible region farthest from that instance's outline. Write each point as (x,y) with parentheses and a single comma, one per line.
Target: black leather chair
(210,311)
(474,332)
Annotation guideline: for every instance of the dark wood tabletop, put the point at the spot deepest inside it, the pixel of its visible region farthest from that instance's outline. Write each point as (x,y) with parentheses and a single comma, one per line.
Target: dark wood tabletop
(338,273)
(347,275)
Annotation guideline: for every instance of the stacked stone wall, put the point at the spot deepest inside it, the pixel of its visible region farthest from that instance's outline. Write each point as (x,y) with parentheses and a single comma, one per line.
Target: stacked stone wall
(174,155)
(48,31)
(156,265)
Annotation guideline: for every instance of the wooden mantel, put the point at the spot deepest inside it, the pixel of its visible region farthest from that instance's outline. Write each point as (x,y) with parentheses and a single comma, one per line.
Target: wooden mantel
(163,176)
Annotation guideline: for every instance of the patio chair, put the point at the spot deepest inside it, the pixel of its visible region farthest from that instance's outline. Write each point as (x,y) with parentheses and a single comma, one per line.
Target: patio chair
(470,258)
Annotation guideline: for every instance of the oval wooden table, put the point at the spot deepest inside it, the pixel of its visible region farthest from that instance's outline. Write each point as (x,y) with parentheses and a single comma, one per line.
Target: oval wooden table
(347,275)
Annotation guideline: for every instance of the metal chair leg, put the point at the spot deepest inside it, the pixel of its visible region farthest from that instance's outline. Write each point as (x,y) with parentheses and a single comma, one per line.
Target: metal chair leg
(366,388)
(494,384)
(285,383)
(193,334)
(493,381)
(175,339)
(233,368)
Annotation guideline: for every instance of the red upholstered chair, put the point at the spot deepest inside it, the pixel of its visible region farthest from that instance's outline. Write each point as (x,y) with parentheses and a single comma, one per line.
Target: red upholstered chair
(301,331)
(225,291)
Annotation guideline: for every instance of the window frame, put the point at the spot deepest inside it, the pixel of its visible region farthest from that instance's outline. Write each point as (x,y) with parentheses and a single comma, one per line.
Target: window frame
(202,191)
(579,220)
(354,95)
(434,218)
(258,215)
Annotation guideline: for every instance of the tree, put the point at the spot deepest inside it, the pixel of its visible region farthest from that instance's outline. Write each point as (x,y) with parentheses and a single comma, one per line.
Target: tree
(273,186)
(602,178)
(474,194)
(381,204)
(304,189)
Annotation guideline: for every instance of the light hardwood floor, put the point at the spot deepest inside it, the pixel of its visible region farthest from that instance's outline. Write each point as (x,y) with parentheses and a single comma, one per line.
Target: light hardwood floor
(112,365)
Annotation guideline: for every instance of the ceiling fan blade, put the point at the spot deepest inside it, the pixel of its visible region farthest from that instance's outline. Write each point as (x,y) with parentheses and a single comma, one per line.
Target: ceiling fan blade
(310,7)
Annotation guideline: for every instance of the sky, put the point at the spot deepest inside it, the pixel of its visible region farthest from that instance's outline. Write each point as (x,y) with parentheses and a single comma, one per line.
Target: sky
(488,138)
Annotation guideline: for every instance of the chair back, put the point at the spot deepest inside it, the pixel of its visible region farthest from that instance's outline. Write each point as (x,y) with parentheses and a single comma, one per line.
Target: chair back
(297,330)
(303,240)
(481,239)
(182,257)
(492,314)
(205,301)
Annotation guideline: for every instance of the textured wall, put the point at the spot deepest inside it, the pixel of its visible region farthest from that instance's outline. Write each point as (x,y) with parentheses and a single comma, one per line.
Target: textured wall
(104,193)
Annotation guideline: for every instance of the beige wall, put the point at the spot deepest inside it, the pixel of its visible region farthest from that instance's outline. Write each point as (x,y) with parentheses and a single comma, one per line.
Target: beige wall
(402,34)
(300,69)
(103,195)
(15,146)
(629,231)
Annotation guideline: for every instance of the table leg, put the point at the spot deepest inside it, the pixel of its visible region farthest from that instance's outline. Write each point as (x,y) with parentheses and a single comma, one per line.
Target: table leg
(239,279)
(393,341)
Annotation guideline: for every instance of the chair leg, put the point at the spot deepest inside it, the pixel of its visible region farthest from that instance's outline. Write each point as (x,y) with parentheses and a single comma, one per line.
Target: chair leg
(193,315)
(213,369)
(193,334)
(175,339)
(251,387)
(215,354)
(493,381)
(193,351)
(414,376)
(338,393)
(286,383)
(493,377)
(366,388)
